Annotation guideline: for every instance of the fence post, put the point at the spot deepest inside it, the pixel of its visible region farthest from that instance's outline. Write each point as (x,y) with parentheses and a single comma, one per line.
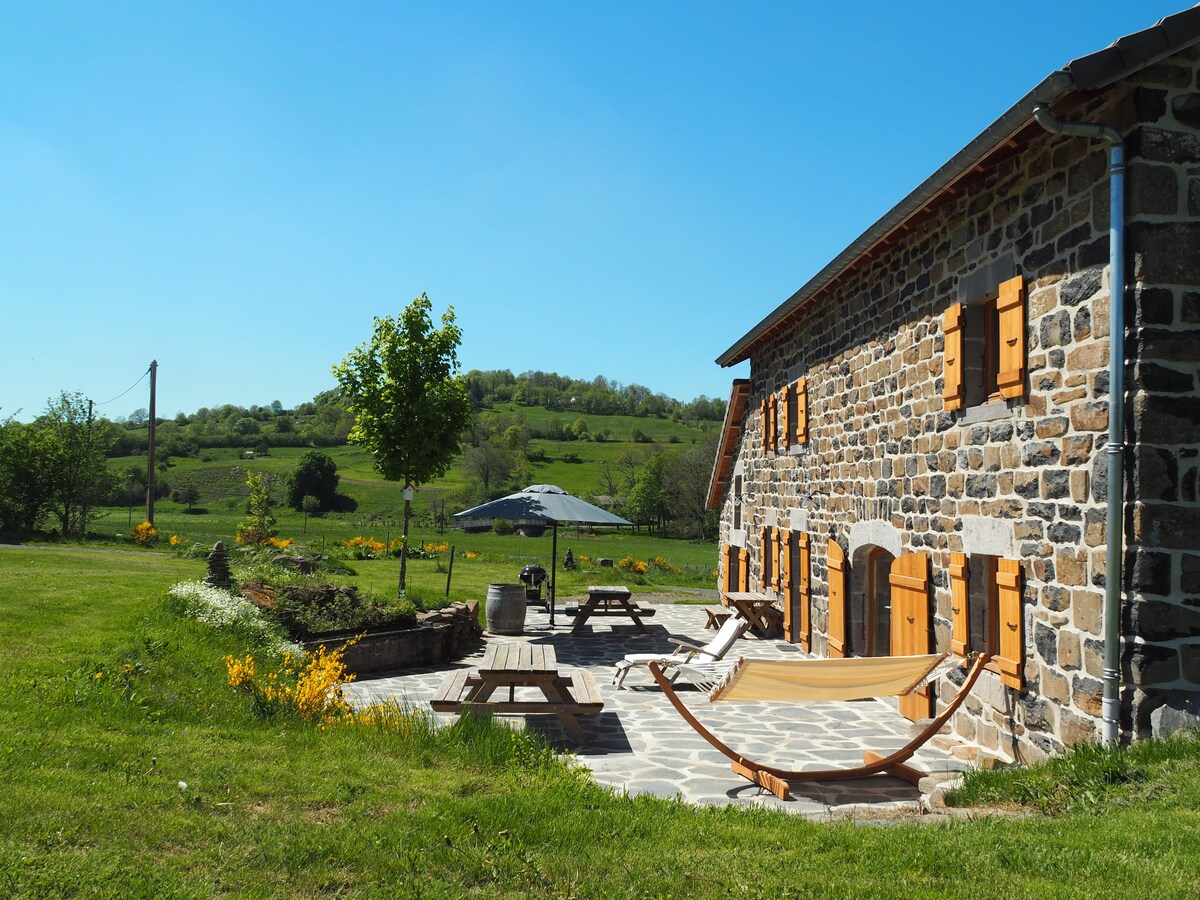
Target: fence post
(449,571)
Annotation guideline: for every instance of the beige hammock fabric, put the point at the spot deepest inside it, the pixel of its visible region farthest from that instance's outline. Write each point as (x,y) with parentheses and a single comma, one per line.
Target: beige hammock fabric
(816,679)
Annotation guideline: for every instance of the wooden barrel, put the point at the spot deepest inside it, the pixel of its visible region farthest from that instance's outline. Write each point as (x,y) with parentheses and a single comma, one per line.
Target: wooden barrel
(505,608)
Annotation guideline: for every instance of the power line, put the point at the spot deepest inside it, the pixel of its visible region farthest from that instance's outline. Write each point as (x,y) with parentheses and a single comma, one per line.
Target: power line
(126,391)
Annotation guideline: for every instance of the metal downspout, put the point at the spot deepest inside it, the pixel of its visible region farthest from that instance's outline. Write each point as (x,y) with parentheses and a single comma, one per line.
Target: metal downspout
(1115,519)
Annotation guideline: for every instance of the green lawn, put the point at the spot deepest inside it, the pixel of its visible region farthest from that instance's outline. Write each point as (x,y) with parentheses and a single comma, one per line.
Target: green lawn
(109,702)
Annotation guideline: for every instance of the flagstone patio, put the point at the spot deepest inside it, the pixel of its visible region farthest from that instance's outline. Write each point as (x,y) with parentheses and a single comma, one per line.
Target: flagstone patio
(640,745)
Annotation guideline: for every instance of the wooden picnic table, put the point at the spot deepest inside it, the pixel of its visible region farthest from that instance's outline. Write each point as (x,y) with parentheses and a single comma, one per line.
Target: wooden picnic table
(609,600)
(521,665)
(751,606)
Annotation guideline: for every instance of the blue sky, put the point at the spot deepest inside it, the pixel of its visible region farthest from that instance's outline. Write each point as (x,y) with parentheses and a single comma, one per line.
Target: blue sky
(618,189)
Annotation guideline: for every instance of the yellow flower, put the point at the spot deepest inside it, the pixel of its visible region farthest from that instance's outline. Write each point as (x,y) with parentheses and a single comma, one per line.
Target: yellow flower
(144,533)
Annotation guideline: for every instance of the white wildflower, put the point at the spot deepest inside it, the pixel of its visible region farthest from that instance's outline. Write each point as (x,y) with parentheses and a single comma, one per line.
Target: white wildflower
(219,608)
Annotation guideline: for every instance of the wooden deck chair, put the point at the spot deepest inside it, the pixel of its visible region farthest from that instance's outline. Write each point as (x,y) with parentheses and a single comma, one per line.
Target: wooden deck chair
(820,679)
(714,650)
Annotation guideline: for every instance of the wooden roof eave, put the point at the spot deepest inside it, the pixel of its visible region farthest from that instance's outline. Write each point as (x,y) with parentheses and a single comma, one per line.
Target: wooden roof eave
(731,428)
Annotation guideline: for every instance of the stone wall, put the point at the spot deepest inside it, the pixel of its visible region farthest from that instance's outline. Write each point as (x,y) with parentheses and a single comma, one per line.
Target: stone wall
(886,462)
(1163,655)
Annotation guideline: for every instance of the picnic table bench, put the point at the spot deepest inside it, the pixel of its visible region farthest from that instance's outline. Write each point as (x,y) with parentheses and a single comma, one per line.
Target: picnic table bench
(516,665)
(609,600)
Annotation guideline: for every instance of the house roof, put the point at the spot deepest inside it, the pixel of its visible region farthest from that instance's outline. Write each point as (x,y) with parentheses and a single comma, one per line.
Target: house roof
(998,141)
(735,413)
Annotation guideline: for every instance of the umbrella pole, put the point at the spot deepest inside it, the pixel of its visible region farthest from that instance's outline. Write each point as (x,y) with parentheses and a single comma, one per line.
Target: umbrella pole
(553,571)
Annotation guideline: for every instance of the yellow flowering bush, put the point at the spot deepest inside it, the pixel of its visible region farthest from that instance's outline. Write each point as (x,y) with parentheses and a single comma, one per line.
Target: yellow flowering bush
(174,540)
(633,565)
(365,548)
(472,554)
(664,565)
(311,690)
(144,533)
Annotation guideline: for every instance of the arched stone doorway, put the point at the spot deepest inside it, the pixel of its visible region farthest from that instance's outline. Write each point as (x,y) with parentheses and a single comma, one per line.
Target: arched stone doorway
(869,625)
(874,546)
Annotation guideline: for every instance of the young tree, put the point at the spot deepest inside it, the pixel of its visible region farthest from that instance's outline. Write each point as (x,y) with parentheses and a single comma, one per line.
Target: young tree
(310,506)
(261,526)
(188,494)
(315,475)
(489,466)
(409,402)
(80,442)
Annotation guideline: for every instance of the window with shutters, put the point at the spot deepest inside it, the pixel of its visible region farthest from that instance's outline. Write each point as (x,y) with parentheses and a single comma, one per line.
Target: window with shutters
(794,413)
(984,347)
(737,502)
(986,612)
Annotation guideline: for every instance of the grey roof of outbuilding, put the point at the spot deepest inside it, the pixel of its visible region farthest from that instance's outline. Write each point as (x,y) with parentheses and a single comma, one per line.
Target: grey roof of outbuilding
(1124,56)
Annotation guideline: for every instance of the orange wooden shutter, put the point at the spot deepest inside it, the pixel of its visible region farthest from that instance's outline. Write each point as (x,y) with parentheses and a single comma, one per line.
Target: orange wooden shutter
(802,411)
(773,422)
(1011,649)
(909,580)
(836,630)
(785,415)
(952,358)
(785,582)
(743,569)
(802,590)
(775,566)
(764,558)
(1010,309)
(727,578)
(766,425)
(960,616)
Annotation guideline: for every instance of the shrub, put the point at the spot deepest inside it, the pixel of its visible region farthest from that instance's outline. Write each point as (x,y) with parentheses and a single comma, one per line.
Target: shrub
(144,533)
(306,608)
(311,691)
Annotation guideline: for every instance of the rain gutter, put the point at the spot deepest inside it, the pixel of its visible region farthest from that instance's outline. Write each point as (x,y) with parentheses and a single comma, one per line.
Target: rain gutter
(1115,515)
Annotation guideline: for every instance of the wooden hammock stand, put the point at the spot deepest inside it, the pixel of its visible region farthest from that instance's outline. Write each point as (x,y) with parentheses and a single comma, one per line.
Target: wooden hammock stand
(776,780)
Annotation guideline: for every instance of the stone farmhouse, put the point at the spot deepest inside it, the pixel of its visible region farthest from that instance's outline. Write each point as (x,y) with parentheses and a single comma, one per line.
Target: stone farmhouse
(940,447)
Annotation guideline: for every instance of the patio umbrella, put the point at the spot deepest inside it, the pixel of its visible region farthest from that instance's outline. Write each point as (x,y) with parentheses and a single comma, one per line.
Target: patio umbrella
(545,503)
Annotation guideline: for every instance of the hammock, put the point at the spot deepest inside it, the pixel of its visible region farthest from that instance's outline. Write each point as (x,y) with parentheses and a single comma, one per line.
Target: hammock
(794,680)
(816,679)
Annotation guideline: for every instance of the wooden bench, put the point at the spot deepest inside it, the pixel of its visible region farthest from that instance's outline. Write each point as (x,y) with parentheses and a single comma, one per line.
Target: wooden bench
(716,617)
(449,696)
(586,692)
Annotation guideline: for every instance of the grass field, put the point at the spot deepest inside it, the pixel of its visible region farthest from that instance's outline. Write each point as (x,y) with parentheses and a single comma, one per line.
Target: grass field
(371,505)
(375,509)
(131,769)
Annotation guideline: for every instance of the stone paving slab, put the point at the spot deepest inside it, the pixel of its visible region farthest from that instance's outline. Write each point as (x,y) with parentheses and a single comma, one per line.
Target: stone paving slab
(640,745)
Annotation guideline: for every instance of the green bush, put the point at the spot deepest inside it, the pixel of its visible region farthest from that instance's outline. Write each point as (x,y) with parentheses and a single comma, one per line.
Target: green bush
(306,610)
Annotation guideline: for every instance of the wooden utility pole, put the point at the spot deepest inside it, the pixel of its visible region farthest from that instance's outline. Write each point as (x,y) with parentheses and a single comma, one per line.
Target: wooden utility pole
(150,486)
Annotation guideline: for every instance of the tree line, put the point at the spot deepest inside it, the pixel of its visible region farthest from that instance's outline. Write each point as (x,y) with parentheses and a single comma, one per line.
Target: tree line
(53,474)
(601,396)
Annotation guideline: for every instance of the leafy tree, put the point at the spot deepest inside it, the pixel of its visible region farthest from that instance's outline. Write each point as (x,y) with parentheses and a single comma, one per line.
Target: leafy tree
(79,445)
(261,525)
(188,494)
(687,487)
(409,402)
(648,499)
(315,475)
(489,466)
(27,458)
